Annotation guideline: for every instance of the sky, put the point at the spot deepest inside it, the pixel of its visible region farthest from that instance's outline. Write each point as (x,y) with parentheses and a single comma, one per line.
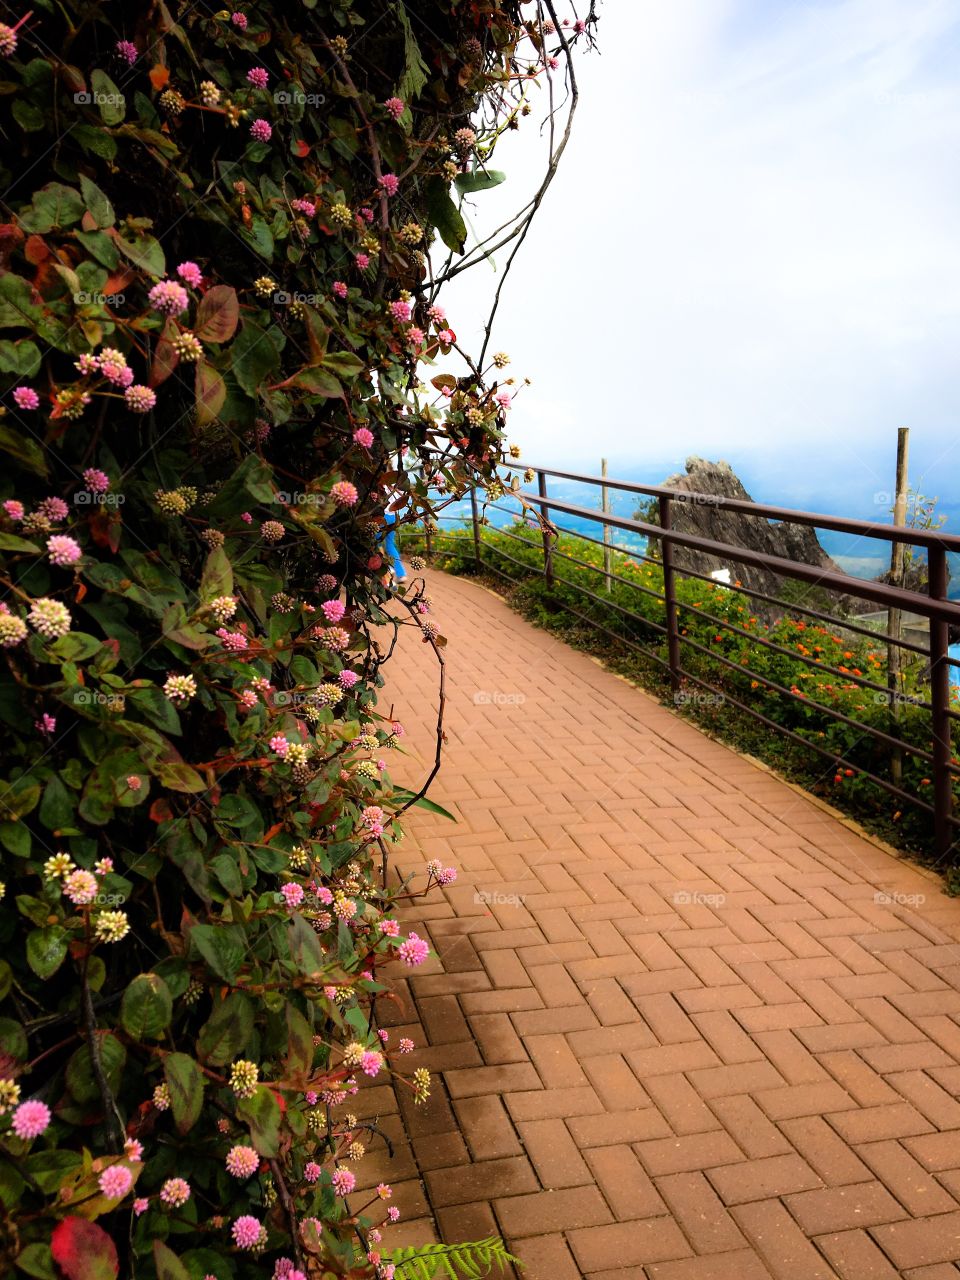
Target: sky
(750,251)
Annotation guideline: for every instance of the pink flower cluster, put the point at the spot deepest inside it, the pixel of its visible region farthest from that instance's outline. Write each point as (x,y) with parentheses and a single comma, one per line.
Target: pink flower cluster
(169,298)
(190,273)
(396,107)
(414,950)
(259,77)
(333,610)
(345,494)
(339,289)
(261,130)
(26,398)
(292,894)
(390,184)
(363,437)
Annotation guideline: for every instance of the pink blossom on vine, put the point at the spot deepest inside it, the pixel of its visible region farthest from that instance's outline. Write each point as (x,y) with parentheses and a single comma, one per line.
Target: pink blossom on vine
(140,1206)
(26,398)
(366,213)
(292,894)
(437,314)
(54,509)
(261,130)
(242,1162)
(414,950)
(324,895)
(30,1119)
(259,77)
(306,207)
(279,745)
(248,699)
(363,437)
(235,641)
(345,494)
(169,298)
(396,107)
(362,261)
(246,1229)
(133,1150)
(13,509)
(446,336)
(384,1190)
(96,481)
(333,610)
(405,1045)
(393,1213)
(340,289)
(415,336)
(371,1062)
(246,517)
(134,783)
(400,310)
(343,1181)
(62,550)
(115,1181)
(190,273)
(239,20)
(47,724)
(127,50)
(390,184)
(390,928)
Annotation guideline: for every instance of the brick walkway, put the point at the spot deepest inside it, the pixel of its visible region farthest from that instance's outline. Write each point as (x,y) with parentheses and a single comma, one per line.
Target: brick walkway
(684,1024)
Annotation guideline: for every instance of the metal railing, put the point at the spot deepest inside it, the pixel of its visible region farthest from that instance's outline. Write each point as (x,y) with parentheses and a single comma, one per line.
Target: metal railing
(931,604)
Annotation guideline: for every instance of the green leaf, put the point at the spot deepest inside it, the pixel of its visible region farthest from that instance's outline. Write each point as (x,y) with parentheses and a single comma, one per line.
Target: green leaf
(415,71)
(254,356)
(81,1081)
(445,215)
(178,776)
(24,448)
(46,950)
(13,1039)
(98,206)
(318,382)
(146,1008)
(225,868)
(36,1260)
(217,579)
(431,806)
(48,1169)
(10,542)
(16,837)
(227,1031)
(145,253)
(210,391)
(261,1113)
(53,206)
(185,1082)
(344,363)
(479,180)
(222,947)
(169,1266)
(108,98)
(217,315)
(299,1060)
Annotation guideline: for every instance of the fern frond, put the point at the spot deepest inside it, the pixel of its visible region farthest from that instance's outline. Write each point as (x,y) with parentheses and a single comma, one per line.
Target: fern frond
(471,1261)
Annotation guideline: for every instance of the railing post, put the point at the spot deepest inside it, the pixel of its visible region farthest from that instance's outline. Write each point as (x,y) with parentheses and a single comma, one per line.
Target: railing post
(940,700)
(605,507)
(547,549)
(474,511)
(669,593)
(428,537)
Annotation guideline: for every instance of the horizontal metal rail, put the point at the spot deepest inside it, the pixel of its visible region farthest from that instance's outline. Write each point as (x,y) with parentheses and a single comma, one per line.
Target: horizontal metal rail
(943,614)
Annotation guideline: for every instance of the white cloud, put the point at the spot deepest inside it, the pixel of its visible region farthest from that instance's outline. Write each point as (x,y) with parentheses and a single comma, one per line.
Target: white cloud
(750,250)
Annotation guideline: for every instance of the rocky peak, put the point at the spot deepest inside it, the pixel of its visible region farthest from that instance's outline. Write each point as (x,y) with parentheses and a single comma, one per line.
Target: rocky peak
(708,519)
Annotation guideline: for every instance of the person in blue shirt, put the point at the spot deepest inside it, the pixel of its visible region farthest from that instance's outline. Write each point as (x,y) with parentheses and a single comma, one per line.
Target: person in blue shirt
(391,518)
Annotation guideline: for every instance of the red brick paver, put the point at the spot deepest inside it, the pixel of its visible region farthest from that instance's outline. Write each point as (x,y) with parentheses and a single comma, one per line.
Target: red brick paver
(684,1023)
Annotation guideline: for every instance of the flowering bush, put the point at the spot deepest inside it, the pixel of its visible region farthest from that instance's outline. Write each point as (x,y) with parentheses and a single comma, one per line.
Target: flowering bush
(215,297)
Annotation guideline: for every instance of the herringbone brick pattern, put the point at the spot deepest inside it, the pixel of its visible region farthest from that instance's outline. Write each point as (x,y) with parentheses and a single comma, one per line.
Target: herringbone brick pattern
(684,1024)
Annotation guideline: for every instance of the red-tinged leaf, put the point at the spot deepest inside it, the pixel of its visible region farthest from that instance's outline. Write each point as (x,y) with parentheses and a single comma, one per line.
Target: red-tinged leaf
(444,380)
(211,393)
(160,811)
(105,529)
(218,314)
(113,645)
(165,358)
(83,1251)
(36,250)
(274,830)
(159,76)
(301,148)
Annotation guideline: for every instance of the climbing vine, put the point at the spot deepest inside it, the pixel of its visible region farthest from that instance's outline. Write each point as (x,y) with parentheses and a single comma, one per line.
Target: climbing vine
(221,362)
